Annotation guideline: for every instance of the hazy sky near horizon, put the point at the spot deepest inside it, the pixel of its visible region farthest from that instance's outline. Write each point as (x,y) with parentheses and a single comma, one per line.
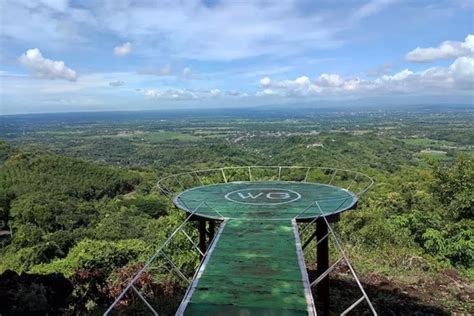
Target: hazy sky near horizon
(83,55)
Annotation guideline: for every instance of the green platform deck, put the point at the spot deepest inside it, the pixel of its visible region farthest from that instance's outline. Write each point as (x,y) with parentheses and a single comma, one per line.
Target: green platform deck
(255,265)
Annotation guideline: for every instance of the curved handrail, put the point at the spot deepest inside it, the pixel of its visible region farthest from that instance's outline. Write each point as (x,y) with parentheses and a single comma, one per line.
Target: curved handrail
(268,167)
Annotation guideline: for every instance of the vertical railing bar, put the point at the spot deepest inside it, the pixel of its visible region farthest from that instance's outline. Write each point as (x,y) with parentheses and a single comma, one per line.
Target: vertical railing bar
(144,300)
(163,190)
(250,174)
(179,182)
(353,180)
(333,175)
(307,173)
(279,173)
(223,175)
(200,180)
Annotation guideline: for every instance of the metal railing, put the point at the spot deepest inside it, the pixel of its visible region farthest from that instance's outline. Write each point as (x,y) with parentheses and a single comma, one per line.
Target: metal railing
(148,266)
(176,183)
(343,258)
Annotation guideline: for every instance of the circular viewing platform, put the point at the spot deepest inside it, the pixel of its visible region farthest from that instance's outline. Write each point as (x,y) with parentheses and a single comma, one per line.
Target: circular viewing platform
(266,193)
(266,200)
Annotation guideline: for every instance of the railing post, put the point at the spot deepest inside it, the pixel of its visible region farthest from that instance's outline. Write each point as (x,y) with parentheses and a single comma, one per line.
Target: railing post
(322,257)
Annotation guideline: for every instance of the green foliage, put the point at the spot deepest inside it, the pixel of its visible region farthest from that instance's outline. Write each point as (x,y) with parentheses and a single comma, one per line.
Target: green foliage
(433,213)
(454,188)
(6,150)
(97,254)
(125,223)
(152,204)
(50,212)
(96,222)
(25,173)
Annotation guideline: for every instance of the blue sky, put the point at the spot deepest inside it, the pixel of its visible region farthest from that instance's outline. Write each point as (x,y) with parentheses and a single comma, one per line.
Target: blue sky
(84,55)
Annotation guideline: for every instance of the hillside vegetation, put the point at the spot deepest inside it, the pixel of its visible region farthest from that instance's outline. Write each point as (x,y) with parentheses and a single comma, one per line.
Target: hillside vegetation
(86,219)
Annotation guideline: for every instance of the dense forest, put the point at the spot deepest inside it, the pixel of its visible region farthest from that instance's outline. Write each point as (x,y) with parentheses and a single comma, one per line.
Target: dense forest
(81,210)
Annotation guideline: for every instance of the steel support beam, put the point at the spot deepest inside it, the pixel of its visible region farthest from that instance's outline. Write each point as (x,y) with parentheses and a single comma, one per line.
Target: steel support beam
(322,257)
(211,230)
(202,236)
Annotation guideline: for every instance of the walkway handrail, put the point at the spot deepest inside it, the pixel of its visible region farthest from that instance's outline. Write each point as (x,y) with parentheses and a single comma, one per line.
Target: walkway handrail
(147,264)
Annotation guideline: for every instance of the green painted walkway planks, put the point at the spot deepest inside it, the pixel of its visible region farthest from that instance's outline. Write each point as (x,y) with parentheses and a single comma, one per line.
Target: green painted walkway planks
(253,268)
(256,266)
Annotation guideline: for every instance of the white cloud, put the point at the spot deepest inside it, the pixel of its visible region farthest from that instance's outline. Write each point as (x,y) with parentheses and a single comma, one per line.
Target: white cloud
(329,80)
(179,93)
(446,50)
(267,92)
(215,92)
(123,49)
(265,82)
(457,78)
(399,76)
(46,68)
(463,72)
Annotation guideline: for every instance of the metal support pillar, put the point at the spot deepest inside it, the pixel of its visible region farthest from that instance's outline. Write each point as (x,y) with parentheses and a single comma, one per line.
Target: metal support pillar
(211,232)
(322,255)
(202,236)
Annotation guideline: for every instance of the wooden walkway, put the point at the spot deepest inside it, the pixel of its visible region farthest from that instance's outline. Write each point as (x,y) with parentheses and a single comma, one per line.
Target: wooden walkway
(253,268)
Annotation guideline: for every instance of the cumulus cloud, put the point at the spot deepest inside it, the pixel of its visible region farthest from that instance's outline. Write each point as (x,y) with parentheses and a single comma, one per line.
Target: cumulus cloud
(123,49)
(46,68)
(458,77)
(463,72)
(446,50)
(329,80)
(179,93)
(170,94)
(265,82)
(215,92)
(117,83)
